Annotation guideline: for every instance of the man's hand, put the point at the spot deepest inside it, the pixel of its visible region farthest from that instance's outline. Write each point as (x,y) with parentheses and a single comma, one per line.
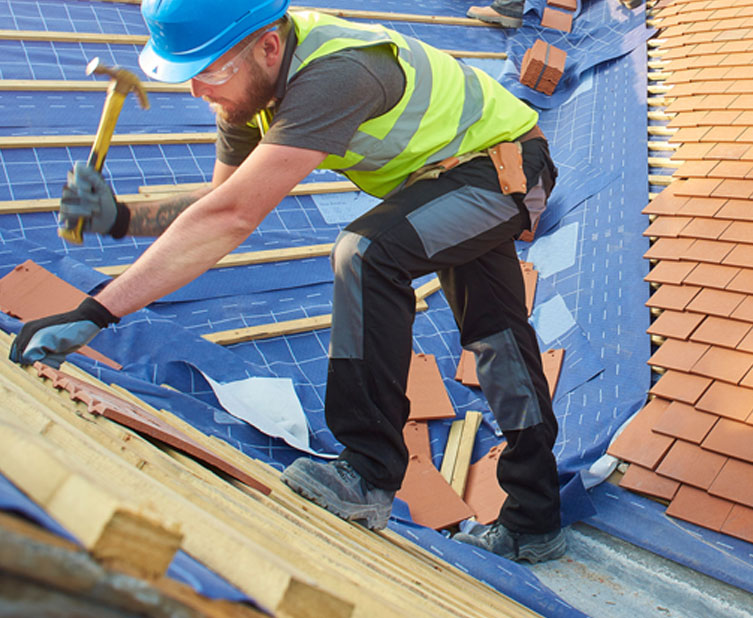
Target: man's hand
(86,195)
(52,338)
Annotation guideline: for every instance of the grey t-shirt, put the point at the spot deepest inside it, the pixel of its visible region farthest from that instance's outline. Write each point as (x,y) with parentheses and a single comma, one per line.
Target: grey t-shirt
(323,104)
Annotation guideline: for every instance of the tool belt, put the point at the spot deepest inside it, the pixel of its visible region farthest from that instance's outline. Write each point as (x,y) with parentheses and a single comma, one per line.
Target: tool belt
(508,161)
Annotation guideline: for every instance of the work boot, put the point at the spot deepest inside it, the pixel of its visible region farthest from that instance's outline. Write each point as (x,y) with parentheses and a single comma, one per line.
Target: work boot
(508,16)
(337,487)
(515,545)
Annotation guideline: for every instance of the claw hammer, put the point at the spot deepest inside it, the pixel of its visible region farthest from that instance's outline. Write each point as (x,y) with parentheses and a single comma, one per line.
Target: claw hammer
(122,82)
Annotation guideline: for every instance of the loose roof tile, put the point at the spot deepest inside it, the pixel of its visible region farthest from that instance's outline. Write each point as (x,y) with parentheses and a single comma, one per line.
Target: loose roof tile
(426,392)
(690,464)
(483,493)
(557,20)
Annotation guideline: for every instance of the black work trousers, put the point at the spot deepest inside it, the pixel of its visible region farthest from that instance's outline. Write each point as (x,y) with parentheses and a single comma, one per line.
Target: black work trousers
(462,227)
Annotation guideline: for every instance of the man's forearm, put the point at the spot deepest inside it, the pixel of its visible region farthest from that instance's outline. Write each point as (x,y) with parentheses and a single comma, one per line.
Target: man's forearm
(153,218)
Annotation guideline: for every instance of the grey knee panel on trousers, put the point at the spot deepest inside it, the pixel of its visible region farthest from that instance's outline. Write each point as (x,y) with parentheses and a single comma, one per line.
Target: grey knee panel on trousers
(505,381)
(347,311)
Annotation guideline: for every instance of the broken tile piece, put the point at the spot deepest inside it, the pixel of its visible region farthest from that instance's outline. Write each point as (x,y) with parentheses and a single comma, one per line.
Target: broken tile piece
(683,421)
(691,464)
(698,507)
(645,481)
(637,443)
(426,391)
(482,491)
(433,503)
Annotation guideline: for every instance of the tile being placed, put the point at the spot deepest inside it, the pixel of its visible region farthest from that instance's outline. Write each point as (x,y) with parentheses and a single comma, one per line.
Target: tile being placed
(739,523)
(684,422)
(680,386)
(637,443)
(731,438)
(30,292)
(645,481)
(690,464)
(698,507)
(734,482)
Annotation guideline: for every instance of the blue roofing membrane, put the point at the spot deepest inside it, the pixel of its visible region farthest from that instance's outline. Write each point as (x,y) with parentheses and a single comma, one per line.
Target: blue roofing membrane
(589,301)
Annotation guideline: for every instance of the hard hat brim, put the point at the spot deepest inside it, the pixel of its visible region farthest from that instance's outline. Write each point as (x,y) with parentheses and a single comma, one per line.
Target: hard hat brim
(175,70)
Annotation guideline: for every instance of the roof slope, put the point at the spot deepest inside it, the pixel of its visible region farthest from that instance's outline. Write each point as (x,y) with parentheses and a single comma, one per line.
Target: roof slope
(692,445)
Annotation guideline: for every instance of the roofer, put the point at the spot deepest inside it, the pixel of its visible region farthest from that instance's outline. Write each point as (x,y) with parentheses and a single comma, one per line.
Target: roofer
(407,123)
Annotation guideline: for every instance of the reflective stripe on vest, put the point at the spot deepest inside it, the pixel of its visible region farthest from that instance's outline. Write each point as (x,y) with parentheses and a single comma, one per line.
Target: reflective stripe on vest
(448,108)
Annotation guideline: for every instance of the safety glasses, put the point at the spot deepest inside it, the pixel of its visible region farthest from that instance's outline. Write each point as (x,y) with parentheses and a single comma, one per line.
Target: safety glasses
(222,75)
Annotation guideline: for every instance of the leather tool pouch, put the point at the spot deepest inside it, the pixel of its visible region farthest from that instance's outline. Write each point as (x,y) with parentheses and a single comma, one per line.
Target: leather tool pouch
(508,161)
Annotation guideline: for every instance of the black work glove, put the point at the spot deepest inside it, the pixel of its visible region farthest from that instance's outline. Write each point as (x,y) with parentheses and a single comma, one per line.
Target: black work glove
(52,338)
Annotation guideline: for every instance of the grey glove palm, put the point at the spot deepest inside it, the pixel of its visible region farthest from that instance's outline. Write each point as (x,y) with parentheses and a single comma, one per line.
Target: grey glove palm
(87,195)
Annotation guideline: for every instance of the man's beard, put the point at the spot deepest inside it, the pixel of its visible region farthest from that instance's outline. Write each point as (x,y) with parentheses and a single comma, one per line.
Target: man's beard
(258,96)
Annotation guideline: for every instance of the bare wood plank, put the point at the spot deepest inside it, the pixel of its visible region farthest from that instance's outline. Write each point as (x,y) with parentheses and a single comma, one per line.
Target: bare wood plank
(304,188)
(63,85)
(73,37)
(451,450)
(246,258)
(385,16)
(465,449)
(123,139)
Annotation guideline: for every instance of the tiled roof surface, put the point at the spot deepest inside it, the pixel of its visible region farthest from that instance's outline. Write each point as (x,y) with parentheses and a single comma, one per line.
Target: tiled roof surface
(692,444)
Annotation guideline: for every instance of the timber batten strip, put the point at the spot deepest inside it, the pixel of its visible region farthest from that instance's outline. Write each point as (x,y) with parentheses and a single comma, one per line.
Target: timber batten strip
(123,139)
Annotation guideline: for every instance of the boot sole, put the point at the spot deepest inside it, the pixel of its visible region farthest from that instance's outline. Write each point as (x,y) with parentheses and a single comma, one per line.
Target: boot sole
(372,516)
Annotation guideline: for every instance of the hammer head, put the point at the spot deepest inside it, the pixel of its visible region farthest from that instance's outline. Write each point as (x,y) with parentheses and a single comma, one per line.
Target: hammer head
(123,81)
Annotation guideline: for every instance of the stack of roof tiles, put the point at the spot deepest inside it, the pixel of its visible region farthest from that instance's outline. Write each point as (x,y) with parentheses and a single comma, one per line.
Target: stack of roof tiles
(692,445)
(542,67)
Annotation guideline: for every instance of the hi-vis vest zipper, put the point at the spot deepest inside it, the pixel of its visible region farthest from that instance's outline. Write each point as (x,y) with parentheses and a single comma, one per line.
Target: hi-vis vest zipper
(448,108)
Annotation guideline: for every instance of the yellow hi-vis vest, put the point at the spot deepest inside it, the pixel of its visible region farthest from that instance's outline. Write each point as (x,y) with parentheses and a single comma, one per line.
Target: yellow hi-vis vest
(448,108)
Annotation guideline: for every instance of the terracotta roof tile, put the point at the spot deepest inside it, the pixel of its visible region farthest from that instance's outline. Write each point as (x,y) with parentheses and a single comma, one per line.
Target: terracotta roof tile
(720,331)
(695,169)
(645,481)
(704,227)
(666,203)
(690,134)
(746,344)
(557,20)
(668,248)
(698,507)
(637,443)
(730,169)
(678,355)
(727,151)
(676,324)
(667,226)
(736,209)
(723,364)
(708,251)
(683,421)
(727,400)
(747,381)
(711,275)
(700,206)
(702,187)
(680,386)
(715,302)
(691,464)
(744,311)
(723,134)
(731,438)
(739,523)
(742,282)
(739,231)
(692,151)
(674,297)
(734,482)
(688,119)
(733,188)
(740,255)
(670,271)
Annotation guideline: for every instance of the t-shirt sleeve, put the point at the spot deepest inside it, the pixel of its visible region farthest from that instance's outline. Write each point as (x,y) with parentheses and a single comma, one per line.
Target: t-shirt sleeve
(326,102)
(235,142)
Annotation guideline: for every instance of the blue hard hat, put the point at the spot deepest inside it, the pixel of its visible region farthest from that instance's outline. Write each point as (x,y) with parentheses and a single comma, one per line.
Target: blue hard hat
(189,35)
